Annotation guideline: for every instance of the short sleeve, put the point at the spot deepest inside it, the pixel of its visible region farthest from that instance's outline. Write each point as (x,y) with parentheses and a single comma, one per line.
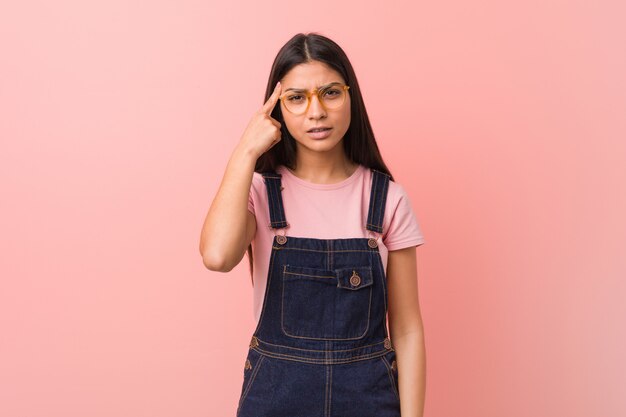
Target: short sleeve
(256,188)
(404,229)
(250,201)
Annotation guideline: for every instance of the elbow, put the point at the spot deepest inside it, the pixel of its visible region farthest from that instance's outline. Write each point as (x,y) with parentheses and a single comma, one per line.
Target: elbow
(213,262)
(216,262)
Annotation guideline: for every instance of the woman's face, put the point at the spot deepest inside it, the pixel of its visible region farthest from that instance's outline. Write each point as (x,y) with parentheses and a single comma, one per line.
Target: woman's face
(309,76)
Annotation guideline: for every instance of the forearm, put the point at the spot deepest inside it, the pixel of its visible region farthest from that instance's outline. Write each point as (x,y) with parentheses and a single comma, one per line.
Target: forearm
(411,359)
(224,229)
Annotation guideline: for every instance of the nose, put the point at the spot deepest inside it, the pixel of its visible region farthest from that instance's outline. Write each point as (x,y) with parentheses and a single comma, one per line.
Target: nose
(316,109)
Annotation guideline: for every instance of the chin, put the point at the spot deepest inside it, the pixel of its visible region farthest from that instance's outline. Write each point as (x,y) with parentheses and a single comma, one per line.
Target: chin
(322,145)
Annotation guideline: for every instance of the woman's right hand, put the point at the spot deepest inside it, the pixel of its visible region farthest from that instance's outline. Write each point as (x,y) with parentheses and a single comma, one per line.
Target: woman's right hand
(262,131)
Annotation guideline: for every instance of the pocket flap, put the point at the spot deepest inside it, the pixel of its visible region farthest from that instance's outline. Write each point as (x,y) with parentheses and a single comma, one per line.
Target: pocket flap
(354,278)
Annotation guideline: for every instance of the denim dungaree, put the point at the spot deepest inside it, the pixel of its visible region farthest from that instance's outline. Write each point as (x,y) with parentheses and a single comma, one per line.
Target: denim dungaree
(321,347)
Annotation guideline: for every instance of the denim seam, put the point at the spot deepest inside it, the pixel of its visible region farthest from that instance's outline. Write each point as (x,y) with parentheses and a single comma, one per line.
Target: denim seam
(298,269)
(315,250)
(277,215)
(381,209)
(327,392)
(321,361)
(317,350)
(391,377)
(375,210)
(281,204)
(270,200)
(251,381)
(330,389)
(378,197)
(267,291)
(308,275)
(379,264)
(372,204)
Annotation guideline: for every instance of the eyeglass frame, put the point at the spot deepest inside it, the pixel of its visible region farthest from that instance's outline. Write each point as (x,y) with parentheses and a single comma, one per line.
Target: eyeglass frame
(309,94)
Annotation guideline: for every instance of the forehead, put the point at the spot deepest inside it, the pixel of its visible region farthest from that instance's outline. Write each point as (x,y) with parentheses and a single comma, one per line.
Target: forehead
(310,75)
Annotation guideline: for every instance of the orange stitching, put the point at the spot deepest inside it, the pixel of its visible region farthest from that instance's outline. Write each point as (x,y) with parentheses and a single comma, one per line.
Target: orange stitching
(317,350)
(255,372)
(321,361)
(267,289)
(334,251)
(391,378)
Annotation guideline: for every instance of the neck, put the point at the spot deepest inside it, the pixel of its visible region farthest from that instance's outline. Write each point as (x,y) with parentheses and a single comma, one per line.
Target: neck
(323,167)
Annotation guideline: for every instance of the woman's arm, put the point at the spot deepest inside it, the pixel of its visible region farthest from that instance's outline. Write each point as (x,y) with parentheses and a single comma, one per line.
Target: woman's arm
(229,226)
(406,330)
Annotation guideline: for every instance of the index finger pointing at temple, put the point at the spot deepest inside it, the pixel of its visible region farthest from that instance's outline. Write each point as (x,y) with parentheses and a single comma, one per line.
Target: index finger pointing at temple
(271,102)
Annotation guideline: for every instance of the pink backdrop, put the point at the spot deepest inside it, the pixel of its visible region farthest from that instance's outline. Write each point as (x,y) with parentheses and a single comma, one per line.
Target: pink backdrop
(503,120)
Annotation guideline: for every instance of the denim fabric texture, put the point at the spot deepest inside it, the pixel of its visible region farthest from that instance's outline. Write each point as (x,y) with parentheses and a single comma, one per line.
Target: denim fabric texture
(321,347)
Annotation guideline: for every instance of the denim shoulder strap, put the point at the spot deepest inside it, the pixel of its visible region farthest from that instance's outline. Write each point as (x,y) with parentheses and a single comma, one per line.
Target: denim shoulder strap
(275,199)
(378,198)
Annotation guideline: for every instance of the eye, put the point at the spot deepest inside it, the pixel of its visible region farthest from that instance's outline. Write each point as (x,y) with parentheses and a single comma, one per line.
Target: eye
(332,93)
(295,97)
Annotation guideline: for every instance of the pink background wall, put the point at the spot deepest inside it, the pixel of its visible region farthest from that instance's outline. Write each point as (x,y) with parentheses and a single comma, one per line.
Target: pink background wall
(503,120)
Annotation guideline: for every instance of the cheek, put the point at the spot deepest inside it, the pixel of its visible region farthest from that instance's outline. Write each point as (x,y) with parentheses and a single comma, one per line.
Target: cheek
(293,126)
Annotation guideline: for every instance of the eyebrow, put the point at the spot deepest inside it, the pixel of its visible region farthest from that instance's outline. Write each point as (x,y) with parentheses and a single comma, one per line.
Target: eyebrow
(319,88)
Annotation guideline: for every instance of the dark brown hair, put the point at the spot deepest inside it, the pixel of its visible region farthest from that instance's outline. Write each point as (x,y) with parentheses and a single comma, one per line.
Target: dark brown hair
(359,143)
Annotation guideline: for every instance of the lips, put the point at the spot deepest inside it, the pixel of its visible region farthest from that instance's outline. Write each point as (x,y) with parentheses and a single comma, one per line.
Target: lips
(322,134)
(319,129)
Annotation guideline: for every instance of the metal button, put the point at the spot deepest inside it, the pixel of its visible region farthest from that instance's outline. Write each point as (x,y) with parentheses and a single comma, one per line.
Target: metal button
(281,239)
(254,342)
(387,343)
(372,243)
(394,365)
(355,279)
(248,364)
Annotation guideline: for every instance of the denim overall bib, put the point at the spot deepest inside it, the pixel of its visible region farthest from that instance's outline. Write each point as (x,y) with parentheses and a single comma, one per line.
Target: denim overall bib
(321,347)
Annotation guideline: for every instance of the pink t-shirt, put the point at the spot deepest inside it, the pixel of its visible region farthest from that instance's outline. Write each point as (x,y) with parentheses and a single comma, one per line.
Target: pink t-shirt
(327,211)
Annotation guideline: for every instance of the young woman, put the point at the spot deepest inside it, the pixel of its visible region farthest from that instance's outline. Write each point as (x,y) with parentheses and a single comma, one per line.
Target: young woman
(331,241)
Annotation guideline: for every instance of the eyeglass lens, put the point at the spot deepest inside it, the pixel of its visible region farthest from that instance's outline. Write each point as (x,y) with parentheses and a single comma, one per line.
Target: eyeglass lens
(331,97)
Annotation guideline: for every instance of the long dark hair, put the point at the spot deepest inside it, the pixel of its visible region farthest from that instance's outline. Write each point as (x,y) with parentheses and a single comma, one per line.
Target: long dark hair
(359,143)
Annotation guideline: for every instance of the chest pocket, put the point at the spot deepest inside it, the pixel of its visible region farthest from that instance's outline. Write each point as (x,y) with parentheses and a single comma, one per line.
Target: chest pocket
(326,304)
